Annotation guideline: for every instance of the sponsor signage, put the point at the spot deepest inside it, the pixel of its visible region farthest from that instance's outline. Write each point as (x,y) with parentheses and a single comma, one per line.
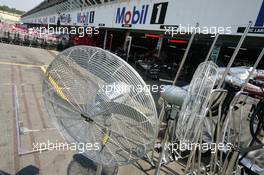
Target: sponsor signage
(135,16)
(159,13)
(52,20)
(139,15)
(259,24)
(256,30)
(85,17)
(260,17)
(169,26)
(45,20)
(162,15)
(126,25)
(65,18)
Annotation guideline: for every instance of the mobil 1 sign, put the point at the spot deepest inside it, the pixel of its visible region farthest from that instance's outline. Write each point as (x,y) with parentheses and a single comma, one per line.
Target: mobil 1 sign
(141,14)
(159,13)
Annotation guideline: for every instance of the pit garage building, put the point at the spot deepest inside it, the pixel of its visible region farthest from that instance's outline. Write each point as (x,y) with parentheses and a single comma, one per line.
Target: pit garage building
(144,26)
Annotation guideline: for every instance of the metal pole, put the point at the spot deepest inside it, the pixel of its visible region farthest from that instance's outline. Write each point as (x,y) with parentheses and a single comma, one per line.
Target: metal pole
(253,69)
(99,169)
(125,43)
(231,164)
(159,45)
(185,55)
(129,45)
(212,47)
(234,54)
(164,141)
(105,38)
(111,42)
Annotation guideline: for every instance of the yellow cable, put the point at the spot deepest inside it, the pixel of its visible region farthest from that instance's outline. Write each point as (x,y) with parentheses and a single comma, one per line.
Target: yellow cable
(53,82)
(105,139)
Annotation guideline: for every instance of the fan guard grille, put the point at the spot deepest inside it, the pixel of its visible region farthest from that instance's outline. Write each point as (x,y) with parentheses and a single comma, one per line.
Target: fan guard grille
(195,104)
(92,96)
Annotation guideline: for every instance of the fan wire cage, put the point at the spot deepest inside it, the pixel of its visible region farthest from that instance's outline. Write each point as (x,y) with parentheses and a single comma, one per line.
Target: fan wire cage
(95,98)
(195,104)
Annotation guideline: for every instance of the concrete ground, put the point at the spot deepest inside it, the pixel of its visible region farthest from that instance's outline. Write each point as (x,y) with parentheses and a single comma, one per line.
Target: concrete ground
(21,89)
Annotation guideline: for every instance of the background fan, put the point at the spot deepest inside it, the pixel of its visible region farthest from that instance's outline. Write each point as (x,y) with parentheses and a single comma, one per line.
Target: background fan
(94,97)
(193,110)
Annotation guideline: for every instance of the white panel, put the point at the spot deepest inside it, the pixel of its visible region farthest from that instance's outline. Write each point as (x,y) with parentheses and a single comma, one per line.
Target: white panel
(209,13)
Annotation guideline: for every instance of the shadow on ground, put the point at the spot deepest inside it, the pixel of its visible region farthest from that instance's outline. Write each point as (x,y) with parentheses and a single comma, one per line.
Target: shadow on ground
(80,165)
(28,170)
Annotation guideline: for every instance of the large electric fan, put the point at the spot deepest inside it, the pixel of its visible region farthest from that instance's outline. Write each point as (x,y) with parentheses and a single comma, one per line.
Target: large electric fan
(195,105)
(94,97)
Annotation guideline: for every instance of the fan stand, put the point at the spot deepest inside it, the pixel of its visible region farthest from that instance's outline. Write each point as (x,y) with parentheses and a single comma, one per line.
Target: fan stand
(99,169)
(170,128)
(107,123)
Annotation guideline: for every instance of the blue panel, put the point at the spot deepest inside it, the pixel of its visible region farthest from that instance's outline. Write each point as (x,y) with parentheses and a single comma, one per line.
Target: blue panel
(260,18)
